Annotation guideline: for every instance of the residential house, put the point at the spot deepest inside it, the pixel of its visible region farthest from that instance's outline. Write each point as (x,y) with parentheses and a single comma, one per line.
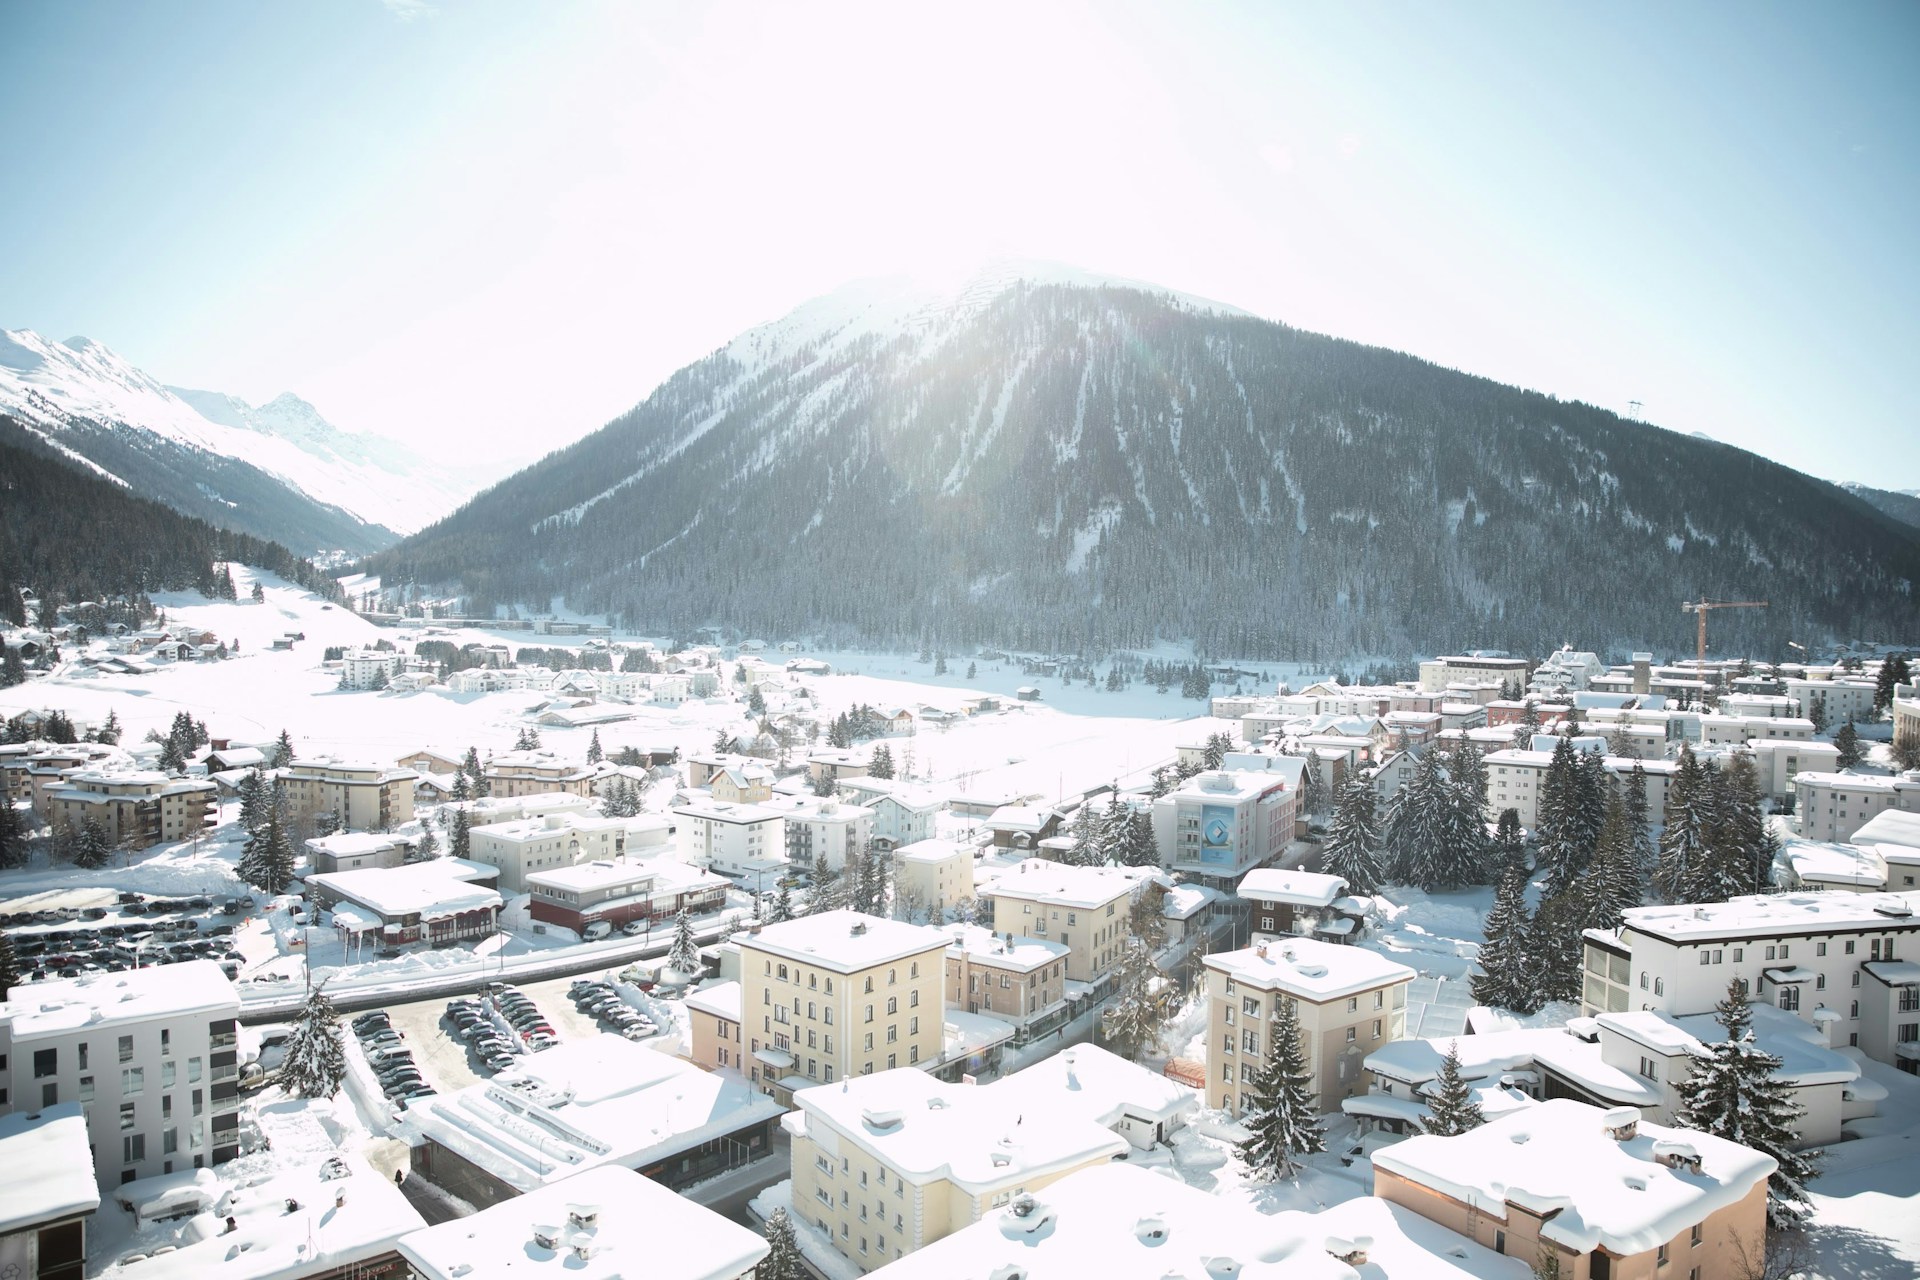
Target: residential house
(1832,806)
(522,773)
(1018,980)
(1085,909)
(48,1193)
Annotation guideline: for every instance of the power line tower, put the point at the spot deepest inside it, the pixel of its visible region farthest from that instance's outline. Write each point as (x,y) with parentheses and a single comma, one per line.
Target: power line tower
(1633,410)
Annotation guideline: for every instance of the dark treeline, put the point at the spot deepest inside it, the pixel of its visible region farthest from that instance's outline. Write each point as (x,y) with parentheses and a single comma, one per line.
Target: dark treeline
(72,536)
(1079,471)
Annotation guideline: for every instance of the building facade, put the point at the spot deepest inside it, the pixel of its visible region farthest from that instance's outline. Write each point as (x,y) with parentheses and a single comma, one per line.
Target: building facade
(136,810)
(359,797)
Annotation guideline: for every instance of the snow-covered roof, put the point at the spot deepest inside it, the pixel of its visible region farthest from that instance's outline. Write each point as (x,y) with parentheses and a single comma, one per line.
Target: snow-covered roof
(1498,1055)
(1895,973)
(546,826)
(1871,782)
(1018,817)
(46,1167)
(661,873)
(1804,1057)
(1184,901)
(601,1100)
(1063,885)
(1817,862)
(824,809)
(847,941)
(721,811)
(1122,1222)
(1890,826)
(719,999)
(60,1005)
(1560,1159)
(1300,888)
(433,889)
(932,851)
(984,945)
(354,844)
(638,1229)
(1316,971)
(1767,915)
(1400,1243)
(1219,785)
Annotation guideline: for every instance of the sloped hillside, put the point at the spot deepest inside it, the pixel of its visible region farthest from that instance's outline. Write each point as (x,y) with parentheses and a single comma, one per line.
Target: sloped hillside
(1071,468)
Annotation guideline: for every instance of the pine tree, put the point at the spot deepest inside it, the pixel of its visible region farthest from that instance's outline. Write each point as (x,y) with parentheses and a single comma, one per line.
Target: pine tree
(881,765)
(9,965)
(1313,785)
(1451,1109)
(783,1260)
(1352,850)
(267,863)
(1683,840)
(93,849)
(594,754)
(1089,838)
(1645,855)
(1817,712)
(1740,847)
(684,954)
(427,847)
(782,909)
(282,754)
(255,802)
(972,670)
(940,665)
(1611,882)
(13,670)
(1506,978)
(1140,1005)
(1417,828)
(461,791)
(1556,947)
(1847,741)
(1734,1094)
(1894,672)
(109,733)
(315,1062)
(460,839)
(13,831)
(1464,845)
(1137,846)
(1280,1119)
(259,593)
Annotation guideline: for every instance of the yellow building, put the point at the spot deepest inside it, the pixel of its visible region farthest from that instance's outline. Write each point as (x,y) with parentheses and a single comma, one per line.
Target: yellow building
(361,797)
(136,810)
(1084,909)
(836,995)
(932,875)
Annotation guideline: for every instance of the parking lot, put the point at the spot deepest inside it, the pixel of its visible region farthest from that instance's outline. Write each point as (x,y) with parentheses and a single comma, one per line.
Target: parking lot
(72,932)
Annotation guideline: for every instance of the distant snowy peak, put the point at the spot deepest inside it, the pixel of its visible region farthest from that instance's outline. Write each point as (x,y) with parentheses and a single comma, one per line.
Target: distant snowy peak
(887,306)
(44,382)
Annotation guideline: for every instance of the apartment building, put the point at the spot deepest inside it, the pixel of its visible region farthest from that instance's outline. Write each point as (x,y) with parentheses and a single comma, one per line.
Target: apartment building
(932,875)
(361,797)
(1778,762)
(890,1163)
(370,668)
(1515,777)
(1288,903)
(1834,959)
(839,994)
(1349,1002)
(1438,673)
(1842,700)
(542,844)
(148,1053)
(1018,980)
(48,1193)
(1219,825)
(822,832)
(525,773)
(1906,714)
(136,809)
(1650,1200)
(1084,909)
(1832,806)
(902,813)
(1741,729)
(746,842)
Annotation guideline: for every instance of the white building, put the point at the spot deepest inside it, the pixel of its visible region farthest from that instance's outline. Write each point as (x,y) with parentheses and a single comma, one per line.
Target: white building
(1777,762)
(822,832)
(48,1193)
(1218,825)
(745,842)
(540,844)
(439,900)
(1832,806)
(151,1054)
(370,668)
(607,1223)
(1515,779)
(902,812)
(1843,700)
(1742,729)
(933,875)
(1810,954)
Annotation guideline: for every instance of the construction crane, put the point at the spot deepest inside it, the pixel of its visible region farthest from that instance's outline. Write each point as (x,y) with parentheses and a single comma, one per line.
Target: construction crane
(1700,608)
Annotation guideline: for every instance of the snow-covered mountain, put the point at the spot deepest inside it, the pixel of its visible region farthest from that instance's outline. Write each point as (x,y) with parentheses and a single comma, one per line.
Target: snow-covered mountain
(220,458)
(1058,461)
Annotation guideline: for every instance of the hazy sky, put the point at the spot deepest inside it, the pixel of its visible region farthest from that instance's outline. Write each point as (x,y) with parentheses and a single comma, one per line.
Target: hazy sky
(495,226)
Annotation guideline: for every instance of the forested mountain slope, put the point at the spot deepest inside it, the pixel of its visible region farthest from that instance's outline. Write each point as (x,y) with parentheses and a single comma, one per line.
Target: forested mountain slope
(1901,505)
(68,532)
(1075,467)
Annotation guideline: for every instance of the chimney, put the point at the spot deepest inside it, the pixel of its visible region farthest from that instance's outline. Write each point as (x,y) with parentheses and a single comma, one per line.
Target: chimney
(1677,1155)
(1621,1123)
(1643,673)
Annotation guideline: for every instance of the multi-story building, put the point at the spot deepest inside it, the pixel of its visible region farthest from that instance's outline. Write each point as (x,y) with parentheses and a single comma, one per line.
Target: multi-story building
(524,773)
(543,844)
(839,994)
(1217,826)
(1779,762)
(1349,1001)
(149,1053)
(888,1164)
(1832,958)
(1720,729)
(1018,980)
(747,842)
(902,812)
(48,1193)
(1832,806)
(823,832)
(1515,779)
(1651,1200)
(748,782)
(931,876)
(355,851)
(136,810)
(1906,714)
(1439,673)
(1084,909)
(441,900)
(1839,700)
(603,1224)
(370,668)
(620,892)
(1289,903)
(360,797)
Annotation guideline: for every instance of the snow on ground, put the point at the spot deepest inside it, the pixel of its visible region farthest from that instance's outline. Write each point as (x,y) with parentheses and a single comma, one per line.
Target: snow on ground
(1866,1200)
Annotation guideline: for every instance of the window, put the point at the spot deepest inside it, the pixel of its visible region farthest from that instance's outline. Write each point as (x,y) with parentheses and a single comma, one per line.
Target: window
(126,1115)
(126,1048)
(1226,1042)
(913,997)
(1376,1028)
(893,1033)
(83,1057)
(1643,979)
(1353,1034)
(893,1005)
(46,1062)
(132,1081)
(1353,1004)
(1706,957)
(1248,1005)
(1379,999)
(50,1093)
(166,1042)
(1819,949)
(1790,998)
(1849,947)
(166,1075)
(1650,1068)
(1739,954)
(133,1148)
(86,1088)
(169,1141)
(1697,1234)
(869,1013)
(1661,1257)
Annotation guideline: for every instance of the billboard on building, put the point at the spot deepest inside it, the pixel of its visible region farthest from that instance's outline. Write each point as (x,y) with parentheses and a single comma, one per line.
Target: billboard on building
(1216,835)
